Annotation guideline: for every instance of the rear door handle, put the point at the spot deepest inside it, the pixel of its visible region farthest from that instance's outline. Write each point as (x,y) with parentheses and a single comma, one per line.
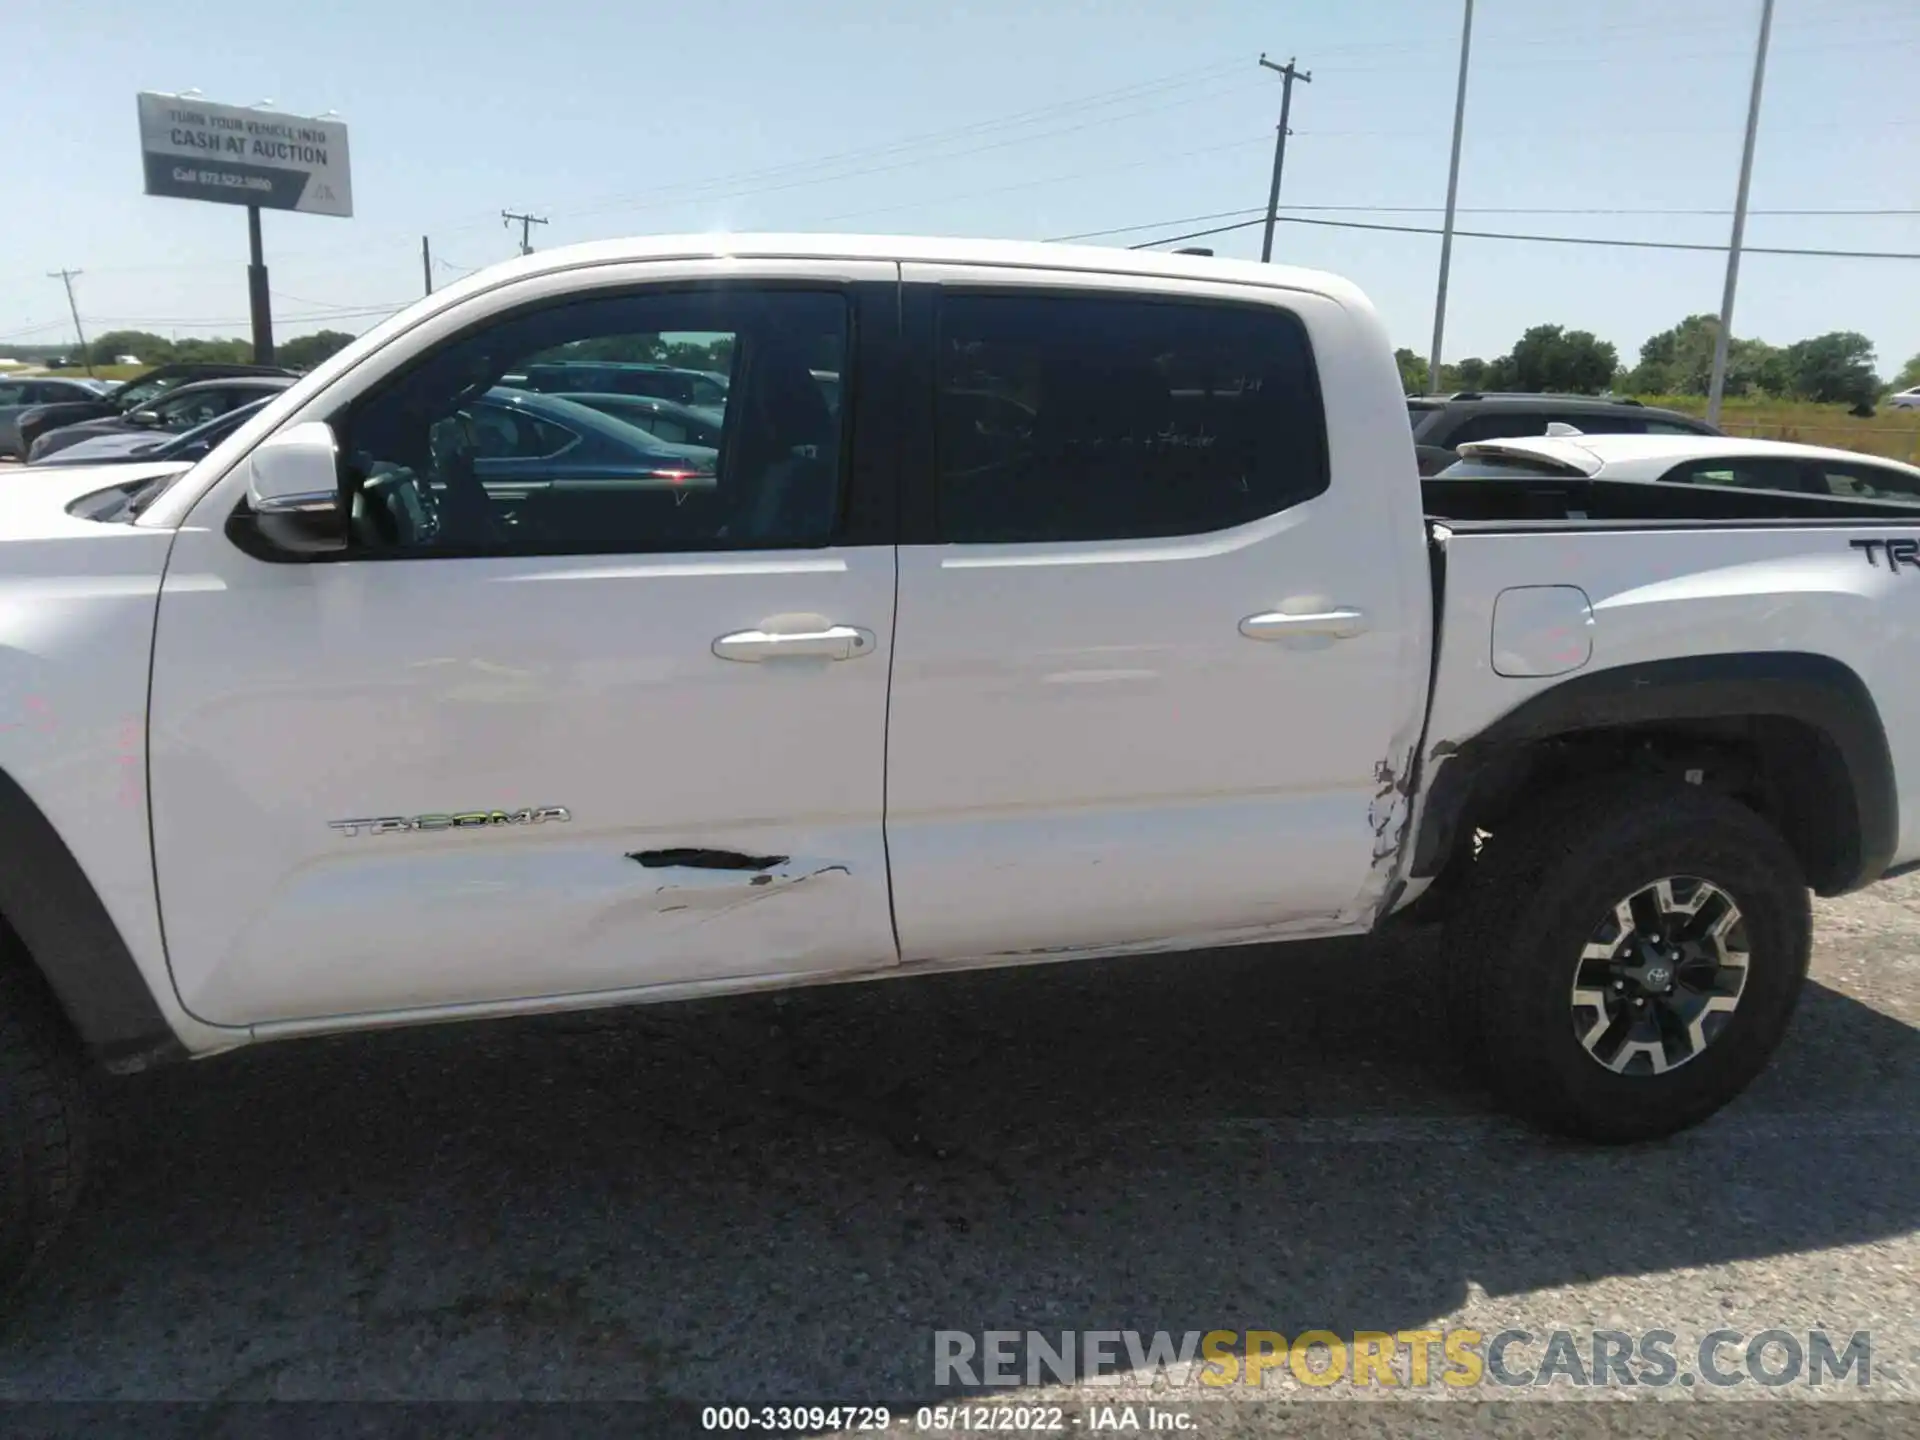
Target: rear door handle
(836,642)
(1341,624)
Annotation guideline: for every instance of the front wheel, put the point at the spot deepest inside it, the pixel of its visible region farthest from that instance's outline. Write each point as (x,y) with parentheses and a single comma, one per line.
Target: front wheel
(43,1121)
(1632,956)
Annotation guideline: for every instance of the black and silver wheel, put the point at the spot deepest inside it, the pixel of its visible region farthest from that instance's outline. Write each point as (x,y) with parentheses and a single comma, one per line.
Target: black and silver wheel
(1632,957)
(1661,976)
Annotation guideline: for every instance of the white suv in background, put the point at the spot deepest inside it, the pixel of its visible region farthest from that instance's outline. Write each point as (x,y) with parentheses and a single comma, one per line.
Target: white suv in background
(1908,399)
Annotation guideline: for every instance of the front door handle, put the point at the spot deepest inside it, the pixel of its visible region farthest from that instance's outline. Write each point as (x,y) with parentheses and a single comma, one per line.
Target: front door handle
(836,642)
(1341,624)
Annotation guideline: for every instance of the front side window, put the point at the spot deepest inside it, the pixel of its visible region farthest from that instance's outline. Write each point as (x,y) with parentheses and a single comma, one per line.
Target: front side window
(470,450)
(13,393)
(1094,417)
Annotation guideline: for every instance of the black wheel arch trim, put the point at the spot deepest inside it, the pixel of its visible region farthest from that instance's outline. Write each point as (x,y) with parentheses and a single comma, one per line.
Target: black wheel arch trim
(53,909)
(1815,690)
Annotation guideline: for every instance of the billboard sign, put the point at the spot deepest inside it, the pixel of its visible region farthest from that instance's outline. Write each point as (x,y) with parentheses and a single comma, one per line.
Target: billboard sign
(238,156)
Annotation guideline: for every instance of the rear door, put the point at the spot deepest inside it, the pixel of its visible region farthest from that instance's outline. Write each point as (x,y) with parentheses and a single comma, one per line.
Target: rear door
(519,745)
(1160,643)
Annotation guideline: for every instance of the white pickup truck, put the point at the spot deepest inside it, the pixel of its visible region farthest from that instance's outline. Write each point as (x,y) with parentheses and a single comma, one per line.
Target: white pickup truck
(1036,602)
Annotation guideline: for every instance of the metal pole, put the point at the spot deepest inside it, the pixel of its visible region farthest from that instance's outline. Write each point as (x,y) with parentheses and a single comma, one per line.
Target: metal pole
(1453,194)
(1288,74)
(67,277)
(426,265)
(1722,342)
(259,304)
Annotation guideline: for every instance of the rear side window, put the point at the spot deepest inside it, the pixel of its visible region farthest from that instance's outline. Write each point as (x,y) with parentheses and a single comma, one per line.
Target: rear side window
(1498,427)
(1088,417)
(1865,482)
(1740,473)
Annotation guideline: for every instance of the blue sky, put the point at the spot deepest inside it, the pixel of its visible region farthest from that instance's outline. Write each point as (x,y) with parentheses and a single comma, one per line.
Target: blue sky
(1036,119)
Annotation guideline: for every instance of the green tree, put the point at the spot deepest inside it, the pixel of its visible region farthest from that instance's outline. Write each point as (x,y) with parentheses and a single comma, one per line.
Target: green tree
(1469,374)
(1835,368)
(211,351)
(152,349)
(1909,375)
(1550,358)
(303,352)
(1413,371)
(1679,361)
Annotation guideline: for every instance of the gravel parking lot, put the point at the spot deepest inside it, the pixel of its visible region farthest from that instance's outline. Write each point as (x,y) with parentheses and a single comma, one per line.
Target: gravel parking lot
(781,1199)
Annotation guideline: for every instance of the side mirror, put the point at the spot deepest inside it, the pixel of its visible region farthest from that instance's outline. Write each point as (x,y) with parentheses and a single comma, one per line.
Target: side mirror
(145,419)
(293,492)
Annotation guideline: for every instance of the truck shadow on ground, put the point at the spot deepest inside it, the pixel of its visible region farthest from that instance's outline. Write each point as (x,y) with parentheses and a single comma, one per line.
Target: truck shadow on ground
(783,1198)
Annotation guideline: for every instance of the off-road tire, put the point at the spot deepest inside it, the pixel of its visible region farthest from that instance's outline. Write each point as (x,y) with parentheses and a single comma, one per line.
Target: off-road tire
(44,1112)
(1545,879)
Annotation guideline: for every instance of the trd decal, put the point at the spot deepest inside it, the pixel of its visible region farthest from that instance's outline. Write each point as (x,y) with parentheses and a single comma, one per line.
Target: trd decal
(462,820)
(1898,552)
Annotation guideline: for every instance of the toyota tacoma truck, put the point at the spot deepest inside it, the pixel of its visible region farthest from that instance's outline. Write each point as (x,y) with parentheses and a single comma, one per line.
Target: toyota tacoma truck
(1094,608)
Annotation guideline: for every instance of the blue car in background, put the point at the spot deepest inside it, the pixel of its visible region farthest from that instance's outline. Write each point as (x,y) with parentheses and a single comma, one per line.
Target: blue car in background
(521,436)
(124,447)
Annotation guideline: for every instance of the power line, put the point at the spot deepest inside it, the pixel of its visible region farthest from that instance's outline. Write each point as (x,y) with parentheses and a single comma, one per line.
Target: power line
(1649,210)
(1543,239)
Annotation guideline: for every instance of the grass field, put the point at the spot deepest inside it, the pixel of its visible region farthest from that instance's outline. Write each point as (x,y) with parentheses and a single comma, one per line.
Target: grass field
(1892,433)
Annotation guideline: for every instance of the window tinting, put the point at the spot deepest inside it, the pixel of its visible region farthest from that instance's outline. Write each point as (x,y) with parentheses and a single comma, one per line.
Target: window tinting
(466,452)
(1100,418)
(1866,482)
(1498,426)
(1739,473)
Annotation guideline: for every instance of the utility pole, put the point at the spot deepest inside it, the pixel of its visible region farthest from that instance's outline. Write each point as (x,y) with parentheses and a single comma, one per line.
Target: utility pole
(1716,388)
(507,218)
(426,264)
(1453,194)
(1288,74)
(66,278)
(259,299)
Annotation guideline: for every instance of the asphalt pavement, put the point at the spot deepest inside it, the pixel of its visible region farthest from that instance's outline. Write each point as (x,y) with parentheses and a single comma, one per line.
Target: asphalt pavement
(781,1200)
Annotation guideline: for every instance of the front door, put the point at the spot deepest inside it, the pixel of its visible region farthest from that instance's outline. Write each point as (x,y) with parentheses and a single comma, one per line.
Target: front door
(603,726)
(1160,652)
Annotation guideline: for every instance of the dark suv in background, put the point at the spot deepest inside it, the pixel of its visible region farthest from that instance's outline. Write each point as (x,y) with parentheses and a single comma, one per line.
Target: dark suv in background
(1442,423)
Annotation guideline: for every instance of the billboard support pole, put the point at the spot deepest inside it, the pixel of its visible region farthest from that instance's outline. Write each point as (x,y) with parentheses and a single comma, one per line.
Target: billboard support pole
(259,304)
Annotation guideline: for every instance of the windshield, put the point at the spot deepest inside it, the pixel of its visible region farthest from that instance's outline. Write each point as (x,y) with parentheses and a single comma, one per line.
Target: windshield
(135,393)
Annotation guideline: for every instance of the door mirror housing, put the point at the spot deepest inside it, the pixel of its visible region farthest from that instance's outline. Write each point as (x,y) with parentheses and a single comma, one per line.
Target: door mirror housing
(293,494)
(145,419)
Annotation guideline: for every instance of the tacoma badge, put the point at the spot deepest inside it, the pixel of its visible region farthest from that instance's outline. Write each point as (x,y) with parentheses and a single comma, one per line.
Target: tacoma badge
(461,820)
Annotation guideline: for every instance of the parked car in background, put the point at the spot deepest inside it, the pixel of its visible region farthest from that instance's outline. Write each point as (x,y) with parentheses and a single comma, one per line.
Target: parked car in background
(1443,423)
(120,399)
(173,412)
(519,434)
(1775,466)
(19,394)
(1908,399)
(624,377)
(126,446)
(667,420)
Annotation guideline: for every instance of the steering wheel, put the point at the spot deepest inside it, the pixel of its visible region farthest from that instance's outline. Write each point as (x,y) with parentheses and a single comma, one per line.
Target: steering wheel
(459,499)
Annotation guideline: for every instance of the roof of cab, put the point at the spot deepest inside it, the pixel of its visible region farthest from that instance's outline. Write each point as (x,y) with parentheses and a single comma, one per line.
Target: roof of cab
(912,249)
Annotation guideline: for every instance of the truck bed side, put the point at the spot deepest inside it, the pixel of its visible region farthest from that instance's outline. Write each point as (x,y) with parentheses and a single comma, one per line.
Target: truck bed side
(1785,641)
